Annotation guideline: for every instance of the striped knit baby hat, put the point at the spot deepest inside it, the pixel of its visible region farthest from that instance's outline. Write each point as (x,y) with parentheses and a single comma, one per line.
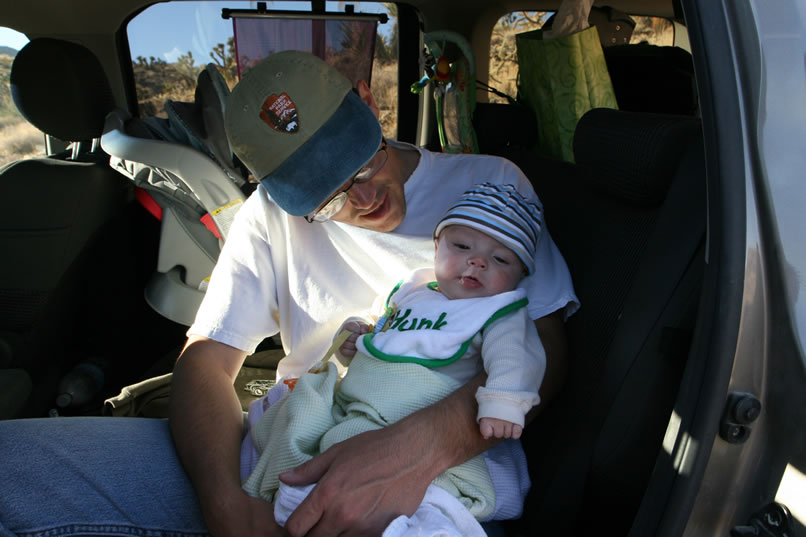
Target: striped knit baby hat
(502,213)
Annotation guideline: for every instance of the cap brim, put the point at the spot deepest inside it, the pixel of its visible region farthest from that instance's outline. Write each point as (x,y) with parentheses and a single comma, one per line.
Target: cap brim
(338,149)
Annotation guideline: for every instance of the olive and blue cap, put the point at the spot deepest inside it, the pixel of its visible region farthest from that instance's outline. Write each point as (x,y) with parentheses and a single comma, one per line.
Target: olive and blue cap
(296,123)
(500,212)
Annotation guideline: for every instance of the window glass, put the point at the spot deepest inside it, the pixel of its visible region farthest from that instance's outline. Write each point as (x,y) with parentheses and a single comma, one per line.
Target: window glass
(653,30)
(170,43)
(504,53)
(18,138)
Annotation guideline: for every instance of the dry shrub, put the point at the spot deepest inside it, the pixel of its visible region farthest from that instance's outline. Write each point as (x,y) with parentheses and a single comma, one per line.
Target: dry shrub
(384,89)
(504,51)
(9,120)
(19,140)
(653,30)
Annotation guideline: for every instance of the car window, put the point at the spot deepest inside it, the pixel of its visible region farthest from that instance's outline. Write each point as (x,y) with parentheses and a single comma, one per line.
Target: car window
(18,138)
(653,30)
(504,54)
(170,43)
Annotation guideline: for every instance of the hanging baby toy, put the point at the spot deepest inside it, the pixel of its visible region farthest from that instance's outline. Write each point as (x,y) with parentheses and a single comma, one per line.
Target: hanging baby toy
(454,84)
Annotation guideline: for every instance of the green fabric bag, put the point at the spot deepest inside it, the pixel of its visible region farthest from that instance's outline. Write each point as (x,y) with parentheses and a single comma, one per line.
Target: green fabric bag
(561,79)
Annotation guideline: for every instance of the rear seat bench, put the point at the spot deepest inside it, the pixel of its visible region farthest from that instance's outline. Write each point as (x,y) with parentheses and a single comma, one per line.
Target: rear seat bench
(629,217)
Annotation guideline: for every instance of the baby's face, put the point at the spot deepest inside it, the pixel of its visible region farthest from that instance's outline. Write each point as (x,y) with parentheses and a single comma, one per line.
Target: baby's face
(471,264)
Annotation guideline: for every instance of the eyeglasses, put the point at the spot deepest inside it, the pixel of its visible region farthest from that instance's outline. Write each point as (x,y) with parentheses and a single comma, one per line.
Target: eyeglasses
(364,175)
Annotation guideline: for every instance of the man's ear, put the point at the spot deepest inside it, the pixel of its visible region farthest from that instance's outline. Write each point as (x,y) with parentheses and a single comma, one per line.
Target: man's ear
(436,244)
(366,95)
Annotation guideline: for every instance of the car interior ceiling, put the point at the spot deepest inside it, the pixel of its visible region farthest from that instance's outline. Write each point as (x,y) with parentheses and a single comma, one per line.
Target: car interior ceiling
(628,214)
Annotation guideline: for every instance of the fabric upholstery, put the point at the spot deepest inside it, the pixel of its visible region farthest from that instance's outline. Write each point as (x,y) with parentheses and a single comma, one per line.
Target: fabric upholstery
(629,217)
(632,156)
(60,232)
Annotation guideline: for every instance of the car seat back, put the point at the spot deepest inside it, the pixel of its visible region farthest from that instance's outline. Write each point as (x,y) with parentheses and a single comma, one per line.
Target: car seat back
(57,224)
(651,78)
(629,217)
(185,174)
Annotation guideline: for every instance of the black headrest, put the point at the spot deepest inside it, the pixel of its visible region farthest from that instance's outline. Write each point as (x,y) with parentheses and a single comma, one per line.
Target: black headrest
(634,155)
(61,89)
(651,78)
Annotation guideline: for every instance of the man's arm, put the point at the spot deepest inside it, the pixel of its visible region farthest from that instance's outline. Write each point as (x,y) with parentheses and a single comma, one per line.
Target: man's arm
(551,330)
(367,481)
(207,426)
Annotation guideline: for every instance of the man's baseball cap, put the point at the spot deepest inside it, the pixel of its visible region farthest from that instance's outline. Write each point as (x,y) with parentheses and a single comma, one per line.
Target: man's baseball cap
(295,122)
(501,212)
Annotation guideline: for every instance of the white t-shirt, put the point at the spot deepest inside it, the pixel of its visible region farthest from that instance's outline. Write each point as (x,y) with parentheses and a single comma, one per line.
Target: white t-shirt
(278,273)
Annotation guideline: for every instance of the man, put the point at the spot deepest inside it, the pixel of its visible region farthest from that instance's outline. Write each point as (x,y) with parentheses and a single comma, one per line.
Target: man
(359,489)
(340,216)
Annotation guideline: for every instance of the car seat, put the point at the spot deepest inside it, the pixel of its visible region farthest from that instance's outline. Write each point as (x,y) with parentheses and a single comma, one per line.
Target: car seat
(651,78)
(57,226)
(185,174)
(629,217)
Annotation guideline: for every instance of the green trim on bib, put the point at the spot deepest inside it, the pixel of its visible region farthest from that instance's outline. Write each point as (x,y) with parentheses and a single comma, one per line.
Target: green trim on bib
(388,298)
(518,304)
(434,363)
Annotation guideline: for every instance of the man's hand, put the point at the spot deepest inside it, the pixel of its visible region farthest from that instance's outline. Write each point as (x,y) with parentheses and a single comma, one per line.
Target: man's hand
(358,492)
(369,480)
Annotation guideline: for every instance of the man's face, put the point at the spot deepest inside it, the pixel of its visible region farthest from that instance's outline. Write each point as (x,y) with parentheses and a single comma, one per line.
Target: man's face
(471,264)
(380,203)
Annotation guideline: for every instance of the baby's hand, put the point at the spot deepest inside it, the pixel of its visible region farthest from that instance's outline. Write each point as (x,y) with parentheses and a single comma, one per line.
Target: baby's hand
(357,328)
(495,428)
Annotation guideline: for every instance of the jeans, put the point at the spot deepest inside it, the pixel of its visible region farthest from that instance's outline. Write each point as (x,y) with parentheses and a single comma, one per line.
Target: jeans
(94,476)
(97,477)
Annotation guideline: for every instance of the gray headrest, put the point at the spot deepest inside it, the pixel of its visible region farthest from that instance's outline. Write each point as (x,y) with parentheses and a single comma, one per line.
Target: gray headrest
(61,89)
(635,155)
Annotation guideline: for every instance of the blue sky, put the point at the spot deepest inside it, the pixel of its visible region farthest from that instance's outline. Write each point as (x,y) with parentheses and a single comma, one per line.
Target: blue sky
(169,30)
(11,38)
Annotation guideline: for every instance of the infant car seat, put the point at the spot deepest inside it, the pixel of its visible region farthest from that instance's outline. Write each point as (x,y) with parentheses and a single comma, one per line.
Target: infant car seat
(185,175)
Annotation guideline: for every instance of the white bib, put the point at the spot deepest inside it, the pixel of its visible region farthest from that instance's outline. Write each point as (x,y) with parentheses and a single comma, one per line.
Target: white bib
(426,327)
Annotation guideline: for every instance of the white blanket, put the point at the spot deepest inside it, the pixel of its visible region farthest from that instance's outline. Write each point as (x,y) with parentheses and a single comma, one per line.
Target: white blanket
(439,515)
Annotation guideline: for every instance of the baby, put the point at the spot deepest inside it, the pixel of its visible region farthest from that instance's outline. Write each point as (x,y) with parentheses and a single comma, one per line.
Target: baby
(440,328)
(484,245)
